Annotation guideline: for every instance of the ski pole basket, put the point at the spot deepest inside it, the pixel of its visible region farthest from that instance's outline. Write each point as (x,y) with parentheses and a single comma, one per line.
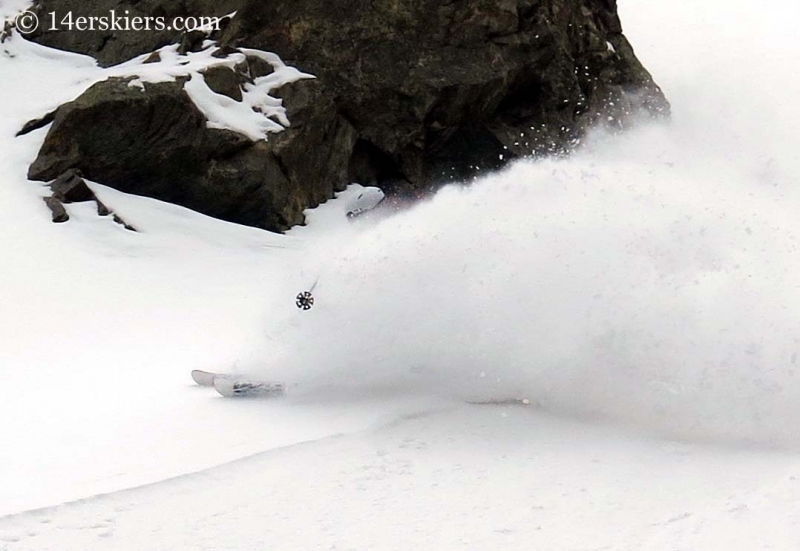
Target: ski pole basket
(304,300)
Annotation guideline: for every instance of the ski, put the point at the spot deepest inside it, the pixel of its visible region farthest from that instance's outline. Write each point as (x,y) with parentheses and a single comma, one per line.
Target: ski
(232,387)
(365,201)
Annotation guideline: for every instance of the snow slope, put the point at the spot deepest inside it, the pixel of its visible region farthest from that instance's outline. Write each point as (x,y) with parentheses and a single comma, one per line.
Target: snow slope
(100,326)
(469,478)
(642,295)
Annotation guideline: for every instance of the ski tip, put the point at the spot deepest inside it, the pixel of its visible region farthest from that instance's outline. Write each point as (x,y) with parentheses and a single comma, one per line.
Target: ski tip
(203,378)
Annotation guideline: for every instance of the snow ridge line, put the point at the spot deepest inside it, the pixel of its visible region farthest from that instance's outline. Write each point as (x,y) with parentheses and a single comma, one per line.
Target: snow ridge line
(207,470)
(169,479)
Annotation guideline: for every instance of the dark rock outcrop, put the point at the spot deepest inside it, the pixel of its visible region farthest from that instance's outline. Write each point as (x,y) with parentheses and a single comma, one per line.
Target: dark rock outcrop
(409,94)
(36,124)
(156,143)
(57,210)
(444,89)
(69,187)
(109,43)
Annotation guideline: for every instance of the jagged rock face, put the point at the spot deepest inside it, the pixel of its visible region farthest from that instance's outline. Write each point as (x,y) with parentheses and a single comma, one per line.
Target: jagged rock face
(409,94)
(442,86)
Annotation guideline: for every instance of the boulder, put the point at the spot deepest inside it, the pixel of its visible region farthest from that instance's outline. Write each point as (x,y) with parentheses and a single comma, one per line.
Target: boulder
(409,94)
(57,210)
(71,188)
(155,142)
(444,90)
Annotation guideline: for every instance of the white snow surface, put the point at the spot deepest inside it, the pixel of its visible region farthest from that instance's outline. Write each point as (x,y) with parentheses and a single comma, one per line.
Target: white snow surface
(642,296)
(9,9)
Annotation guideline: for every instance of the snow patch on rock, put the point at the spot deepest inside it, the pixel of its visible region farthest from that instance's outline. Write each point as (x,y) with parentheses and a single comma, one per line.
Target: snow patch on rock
(256,116)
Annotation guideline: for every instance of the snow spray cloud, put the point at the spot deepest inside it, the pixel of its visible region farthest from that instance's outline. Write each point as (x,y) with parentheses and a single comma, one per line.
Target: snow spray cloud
(653,279)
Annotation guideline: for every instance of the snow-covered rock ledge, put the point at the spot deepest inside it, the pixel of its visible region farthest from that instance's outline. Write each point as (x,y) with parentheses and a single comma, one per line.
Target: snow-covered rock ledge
(231,89)
(407,96)
(205,129)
